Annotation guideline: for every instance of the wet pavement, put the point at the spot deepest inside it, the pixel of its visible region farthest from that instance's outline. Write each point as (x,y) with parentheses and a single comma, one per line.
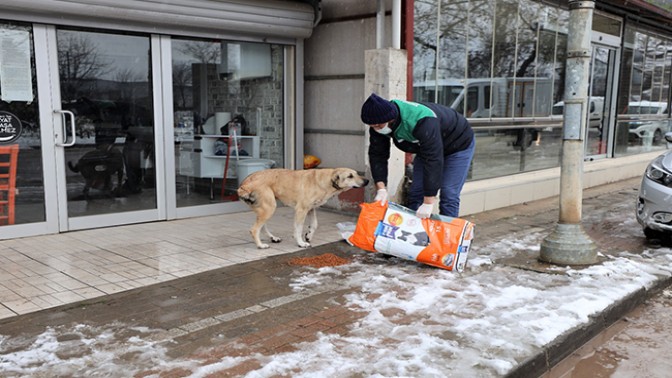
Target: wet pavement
(637,345)
(506,315)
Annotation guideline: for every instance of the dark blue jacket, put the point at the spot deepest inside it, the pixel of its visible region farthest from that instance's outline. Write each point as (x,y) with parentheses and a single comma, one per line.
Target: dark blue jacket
(431,131)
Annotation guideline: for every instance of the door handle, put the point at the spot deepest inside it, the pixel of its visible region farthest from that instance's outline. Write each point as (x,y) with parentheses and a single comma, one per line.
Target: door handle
(73,129)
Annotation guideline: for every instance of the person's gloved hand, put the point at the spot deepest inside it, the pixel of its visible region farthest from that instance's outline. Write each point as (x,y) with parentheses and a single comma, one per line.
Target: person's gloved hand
(425,210)
(381,195)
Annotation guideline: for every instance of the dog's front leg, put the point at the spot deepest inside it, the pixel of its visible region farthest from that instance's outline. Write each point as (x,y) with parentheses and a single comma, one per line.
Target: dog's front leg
(273,238)
(299,218)
(312,227)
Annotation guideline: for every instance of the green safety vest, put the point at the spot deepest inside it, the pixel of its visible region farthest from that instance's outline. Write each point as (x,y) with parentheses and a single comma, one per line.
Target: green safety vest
(409,114)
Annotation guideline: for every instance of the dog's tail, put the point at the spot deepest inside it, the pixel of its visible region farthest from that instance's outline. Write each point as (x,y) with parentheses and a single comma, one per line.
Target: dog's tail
(73,167)
(247,196)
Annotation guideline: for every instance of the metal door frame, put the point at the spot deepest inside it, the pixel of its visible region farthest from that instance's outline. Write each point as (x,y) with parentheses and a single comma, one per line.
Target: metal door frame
(612,43)
(46,122)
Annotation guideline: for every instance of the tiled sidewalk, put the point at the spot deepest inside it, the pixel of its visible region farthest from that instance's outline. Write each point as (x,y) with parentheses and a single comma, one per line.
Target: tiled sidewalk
(267,317)
(41,272)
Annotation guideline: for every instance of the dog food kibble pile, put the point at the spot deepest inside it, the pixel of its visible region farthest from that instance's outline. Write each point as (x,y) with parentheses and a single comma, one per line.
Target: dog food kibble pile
(326,259)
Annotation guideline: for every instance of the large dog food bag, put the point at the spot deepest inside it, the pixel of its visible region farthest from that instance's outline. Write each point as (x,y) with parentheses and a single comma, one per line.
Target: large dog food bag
(395,230)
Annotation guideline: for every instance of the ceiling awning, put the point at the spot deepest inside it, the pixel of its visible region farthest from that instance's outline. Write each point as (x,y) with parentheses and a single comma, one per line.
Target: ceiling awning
(654,10)
(217,18)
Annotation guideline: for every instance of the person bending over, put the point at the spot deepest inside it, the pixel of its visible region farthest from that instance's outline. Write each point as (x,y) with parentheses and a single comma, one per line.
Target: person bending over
(441,139)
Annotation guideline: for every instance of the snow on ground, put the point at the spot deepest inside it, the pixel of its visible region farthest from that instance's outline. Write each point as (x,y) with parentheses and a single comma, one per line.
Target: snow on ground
(420,321)
(79,351)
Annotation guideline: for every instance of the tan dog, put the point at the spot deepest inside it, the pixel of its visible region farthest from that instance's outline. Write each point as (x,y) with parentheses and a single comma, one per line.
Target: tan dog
(304,190)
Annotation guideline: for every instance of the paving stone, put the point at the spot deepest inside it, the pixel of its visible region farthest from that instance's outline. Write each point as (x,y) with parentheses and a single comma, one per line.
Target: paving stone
(249,308)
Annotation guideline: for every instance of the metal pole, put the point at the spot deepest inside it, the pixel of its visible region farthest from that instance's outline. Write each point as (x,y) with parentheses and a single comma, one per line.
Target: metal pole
(380,24)
(396,24)
(568,244)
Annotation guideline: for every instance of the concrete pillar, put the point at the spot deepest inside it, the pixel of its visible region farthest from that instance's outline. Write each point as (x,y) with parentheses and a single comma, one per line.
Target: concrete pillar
(385,74)
(568,244)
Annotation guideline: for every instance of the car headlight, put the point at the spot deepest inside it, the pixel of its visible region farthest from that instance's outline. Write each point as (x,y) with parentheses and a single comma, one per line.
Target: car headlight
(636,125)
(657,173)
(662,217)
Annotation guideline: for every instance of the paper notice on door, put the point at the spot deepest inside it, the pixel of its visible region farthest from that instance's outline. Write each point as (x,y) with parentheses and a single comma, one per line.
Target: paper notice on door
(16,82)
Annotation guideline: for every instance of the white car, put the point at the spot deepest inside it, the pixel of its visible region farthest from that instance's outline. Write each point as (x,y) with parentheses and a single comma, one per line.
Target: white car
(653,124)
(654,202)
(595,111)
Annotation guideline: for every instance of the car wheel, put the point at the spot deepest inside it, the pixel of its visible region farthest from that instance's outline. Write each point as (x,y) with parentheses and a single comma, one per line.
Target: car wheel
(652,234)
(658,237)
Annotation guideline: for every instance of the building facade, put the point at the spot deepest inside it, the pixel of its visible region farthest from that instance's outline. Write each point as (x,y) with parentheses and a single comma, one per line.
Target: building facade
(502,64)
(136,111)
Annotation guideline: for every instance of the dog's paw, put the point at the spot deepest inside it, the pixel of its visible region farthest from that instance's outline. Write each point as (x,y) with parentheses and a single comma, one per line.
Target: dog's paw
(263,246)
(309,236)
(276,239)
(304,244)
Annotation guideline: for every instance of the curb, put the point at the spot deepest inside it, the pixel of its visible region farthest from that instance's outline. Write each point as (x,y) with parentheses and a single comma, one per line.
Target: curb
(566,344)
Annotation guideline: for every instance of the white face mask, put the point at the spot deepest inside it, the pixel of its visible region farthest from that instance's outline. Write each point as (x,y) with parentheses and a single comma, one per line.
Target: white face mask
(384,130)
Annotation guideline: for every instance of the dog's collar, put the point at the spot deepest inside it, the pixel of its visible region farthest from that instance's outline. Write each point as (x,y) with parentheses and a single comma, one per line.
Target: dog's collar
(335,185)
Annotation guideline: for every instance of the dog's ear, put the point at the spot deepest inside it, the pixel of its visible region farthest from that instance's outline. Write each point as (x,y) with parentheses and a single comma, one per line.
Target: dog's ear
(336,179)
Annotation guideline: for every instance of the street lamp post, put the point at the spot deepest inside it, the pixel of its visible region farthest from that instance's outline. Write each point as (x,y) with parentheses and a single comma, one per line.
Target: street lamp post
(568,244)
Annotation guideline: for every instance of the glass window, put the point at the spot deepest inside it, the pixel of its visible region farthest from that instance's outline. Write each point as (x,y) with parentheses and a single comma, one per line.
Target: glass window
(492,60)
(22,179)
(509,42)
(228,115)
(643,92)
(606,25)
(106,81)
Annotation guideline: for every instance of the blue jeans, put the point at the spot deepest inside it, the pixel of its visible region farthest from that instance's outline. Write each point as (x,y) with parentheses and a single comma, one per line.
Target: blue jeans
(455,170)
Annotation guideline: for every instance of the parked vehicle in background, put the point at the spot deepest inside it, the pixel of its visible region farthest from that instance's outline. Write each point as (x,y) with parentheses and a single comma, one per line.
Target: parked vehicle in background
(594,112)
(490,97)
(654,202)
(653,125)
(499,97)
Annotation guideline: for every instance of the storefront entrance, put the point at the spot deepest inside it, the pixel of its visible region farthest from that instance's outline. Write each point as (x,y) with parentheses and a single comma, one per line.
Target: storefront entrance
(88,141)
(104,128)
(116,127)
(601,97)
(603,88)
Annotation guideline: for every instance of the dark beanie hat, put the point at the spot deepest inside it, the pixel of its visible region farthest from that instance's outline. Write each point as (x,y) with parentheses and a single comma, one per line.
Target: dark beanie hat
(377,110)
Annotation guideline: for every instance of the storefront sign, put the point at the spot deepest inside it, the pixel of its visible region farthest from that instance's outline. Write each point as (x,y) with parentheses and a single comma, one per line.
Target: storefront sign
(16,80)
(10,127)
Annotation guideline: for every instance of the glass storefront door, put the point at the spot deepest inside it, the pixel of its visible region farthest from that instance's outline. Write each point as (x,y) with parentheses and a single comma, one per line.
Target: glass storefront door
(601,89)
(119,128)
(78,106)
(22,179)
(228,116)
(107,120)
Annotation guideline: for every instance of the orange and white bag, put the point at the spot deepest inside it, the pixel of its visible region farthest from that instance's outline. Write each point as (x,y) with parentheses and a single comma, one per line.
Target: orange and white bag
(395,230)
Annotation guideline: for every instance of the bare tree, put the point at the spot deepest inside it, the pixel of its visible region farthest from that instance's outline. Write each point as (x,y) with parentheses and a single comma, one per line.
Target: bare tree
(465,29)
(79,64)
(204,52)
(126,79)
(182,83)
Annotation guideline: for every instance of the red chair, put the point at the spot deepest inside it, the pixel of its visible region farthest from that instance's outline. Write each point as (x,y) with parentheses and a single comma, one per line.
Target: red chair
(8,159)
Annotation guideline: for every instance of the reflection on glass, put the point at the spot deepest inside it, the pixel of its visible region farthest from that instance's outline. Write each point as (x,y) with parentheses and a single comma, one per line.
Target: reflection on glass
(643,111)
(228,116)
(489,60)
(106,82)
(607,25)
(501,152)
(506,58)
(20,101)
